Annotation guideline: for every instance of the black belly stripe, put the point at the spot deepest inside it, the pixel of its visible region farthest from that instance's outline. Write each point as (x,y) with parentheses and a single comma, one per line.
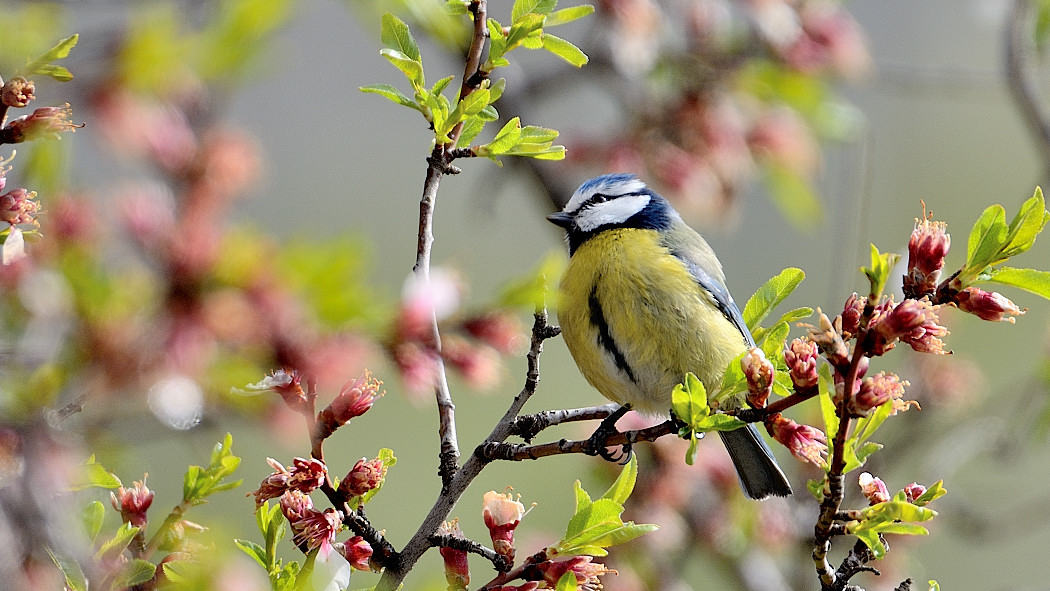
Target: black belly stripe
(605,340)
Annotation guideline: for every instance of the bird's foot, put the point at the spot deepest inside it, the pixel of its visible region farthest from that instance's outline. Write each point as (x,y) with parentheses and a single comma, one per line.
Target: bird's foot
(595,445)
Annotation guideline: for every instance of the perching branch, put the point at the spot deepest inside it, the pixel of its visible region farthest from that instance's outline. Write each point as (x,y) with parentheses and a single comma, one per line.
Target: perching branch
(499,562)
(518,451)
(529,426)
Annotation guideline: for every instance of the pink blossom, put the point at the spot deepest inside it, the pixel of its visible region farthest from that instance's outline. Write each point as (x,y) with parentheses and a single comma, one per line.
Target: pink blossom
(365,476)
(874,488)
(133,502)
(502,513)
(759,373)
(317,529)
(927,247)
(457,567)
(801,358)
(806,443)
(354,400)
(986,305)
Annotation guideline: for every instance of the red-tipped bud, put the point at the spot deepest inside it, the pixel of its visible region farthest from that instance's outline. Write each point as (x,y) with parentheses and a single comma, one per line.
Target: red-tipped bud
(354,400)
(365,476)
(457,568)
(913,491)
(306,475)
(927,248)
(759,372)
(43,123)
(317,529)
(133,502)
(801,359)
(502,514)
(806,443)
(913,321)
(874,488)
(851,314)
(357,552)
(295,505)
(876,391)
(17,92)
(987,305)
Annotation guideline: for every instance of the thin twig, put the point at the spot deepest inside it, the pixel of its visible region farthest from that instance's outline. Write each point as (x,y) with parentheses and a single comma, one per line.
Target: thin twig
(499,562)
(1017,54)
(420,542)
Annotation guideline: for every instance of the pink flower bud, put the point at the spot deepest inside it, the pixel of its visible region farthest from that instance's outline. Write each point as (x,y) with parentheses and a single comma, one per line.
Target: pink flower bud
(457,568)
(306,475)
(365,476)
(17,92)
(317,529)
(502,513)
(357,552)
(759,373)
(874,488)
(43,123)
(133,502)
(586,571)
(18,206)
(987,305)
(354,400)
(851,314)
(876,391)
(806,443)
(913,491)
(295,505)
(914,322)
(927,248)
(501,330)
(801,359)
(828,339)
(479,364)
(287,384)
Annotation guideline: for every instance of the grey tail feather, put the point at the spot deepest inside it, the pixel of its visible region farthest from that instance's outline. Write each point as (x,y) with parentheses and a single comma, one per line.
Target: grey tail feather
(760,476)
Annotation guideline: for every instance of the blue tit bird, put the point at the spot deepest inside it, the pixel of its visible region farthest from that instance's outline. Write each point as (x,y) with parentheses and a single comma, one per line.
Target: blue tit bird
(643,301)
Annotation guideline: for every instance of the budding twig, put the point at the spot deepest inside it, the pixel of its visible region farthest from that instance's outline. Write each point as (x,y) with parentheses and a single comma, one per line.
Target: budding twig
(499,562)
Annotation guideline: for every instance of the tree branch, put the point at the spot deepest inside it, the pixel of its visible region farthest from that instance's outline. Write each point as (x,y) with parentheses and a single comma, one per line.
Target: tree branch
(529,426)
(420,542)
(518,451)
(1017,51)
(499,562)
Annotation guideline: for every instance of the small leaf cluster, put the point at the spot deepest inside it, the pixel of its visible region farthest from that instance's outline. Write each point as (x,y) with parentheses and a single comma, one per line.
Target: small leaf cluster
(457,122)
(125,558)
(896,516)
(273,526)
(597,524)
(43,64)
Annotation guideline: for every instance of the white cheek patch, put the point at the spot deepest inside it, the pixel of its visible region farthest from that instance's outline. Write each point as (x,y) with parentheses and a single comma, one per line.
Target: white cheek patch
(616,211)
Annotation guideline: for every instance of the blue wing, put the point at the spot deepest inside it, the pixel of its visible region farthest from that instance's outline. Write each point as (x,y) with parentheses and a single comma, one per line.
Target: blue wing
(719,294)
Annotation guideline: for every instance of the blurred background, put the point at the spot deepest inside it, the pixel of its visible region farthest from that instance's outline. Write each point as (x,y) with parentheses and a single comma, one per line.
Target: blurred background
(235,204)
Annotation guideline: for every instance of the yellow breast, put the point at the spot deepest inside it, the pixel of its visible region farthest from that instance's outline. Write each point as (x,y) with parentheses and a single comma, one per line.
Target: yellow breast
(636,321)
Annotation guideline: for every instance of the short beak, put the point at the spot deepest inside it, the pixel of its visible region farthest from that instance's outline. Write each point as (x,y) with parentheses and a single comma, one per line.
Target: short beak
(560,218)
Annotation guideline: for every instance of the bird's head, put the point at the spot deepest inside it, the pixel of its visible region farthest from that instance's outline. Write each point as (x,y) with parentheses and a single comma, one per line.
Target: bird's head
(612,201)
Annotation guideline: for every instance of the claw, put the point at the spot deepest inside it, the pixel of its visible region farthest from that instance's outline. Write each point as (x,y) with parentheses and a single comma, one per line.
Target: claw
(595,445)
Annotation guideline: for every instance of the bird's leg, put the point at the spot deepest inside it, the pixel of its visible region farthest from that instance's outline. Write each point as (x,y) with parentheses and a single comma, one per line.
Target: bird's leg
(596,443)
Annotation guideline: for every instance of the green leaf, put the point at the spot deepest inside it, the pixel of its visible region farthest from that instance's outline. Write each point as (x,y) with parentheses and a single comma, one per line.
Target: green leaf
(567,15)
(457,7)
(773,340)
(523,28)
(866,426)
(1031,280)
(565,50)
(890,511)
(412,69)
(93,515)
(530,291)
(879,271)
(986,237)
(391,93)
(395,34)
(624,484)
(42,64)
(74,575)
(504,140)
(1026,225)
(567,582)
(816,488)
(471,128)
(524,7)
(60,73)
(440,85)
(689,400)
(497,44)
(826,383)
(254,550)
(770,295)
(135,572)
(933,493)
(94,475)
(597,525)
(117,544)
(719,422)
(200,483)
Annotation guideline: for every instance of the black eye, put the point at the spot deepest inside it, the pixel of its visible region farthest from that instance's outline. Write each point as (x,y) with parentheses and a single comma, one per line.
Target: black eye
(599,198)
